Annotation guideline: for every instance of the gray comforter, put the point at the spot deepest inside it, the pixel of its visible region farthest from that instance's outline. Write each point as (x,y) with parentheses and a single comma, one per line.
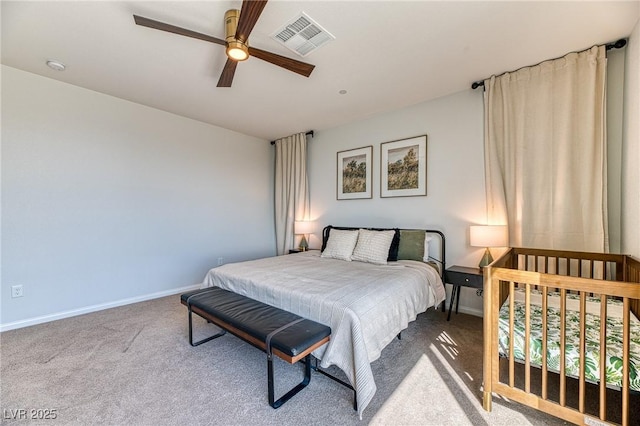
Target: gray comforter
(365,305)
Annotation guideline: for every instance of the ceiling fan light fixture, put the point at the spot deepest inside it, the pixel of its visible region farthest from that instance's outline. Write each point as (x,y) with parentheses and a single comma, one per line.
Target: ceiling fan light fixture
(237,51)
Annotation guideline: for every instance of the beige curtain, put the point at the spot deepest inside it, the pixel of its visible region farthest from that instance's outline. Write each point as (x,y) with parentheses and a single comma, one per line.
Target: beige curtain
(545,153)
(291,188)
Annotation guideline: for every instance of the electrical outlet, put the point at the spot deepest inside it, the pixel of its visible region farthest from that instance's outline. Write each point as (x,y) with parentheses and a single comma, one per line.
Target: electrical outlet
(16,291)
(220,261)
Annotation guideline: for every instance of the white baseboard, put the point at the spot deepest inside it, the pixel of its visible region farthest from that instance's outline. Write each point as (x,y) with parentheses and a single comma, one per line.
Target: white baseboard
(463,310)
(470,311)
(95,308)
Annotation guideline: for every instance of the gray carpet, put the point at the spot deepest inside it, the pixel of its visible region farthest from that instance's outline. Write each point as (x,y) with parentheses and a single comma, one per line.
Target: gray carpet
(134,365)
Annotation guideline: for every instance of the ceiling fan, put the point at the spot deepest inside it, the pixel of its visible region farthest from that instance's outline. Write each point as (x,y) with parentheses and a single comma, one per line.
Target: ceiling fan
(238,26)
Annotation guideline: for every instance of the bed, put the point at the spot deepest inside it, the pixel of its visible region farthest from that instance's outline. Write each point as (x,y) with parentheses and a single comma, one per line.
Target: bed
(551,302)
(366,304)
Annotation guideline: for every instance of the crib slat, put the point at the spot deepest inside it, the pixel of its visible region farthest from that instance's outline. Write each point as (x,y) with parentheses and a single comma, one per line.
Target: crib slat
(626,337)
(527,338)
(545,301)
(603,359)
(491,360)
(563,331)
(583,350)
(512,315)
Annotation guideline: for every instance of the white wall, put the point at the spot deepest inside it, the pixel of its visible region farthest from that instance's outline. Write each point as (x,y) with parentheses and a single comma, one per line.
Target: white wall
(104,200)
(455,176)
(630,240)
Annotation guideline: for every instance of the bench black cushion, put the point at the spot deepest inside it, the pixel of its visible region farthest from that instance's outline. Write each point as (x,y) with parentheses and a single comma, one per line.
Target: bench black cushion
(258,319)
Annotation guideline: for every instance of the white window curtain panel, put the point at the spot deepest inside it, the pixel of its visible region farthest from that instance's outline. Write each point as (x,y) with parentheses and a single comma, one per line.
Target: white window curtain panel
(545,153)
(291,188)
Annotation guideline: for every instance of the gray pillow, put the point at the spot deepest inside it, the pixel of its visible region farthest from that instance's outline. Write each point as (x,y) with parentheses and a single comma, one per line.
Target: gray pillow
(411,245)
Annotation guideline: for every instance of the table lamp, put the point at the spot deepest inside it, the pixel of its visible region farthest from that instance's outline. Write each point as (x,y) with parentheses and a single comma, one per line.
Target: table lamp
(303,228)
(488,236)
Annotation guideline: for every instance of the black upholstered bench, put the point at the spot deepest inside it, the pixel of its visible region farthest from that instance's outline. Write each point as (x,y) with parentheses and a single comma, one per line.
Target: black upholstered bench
(275,331)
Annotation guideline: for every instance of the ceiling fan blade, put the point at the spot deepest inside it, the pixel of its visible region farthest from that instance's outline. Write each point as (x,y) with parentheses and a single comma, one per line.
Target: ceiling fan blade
(157,25)
(301,68)
(226,78)
(249,14)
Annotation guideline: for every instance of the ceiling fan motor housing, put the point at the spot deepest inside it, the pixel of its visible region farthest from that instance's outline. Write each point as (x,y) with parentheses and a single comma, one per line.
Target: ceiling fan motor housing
(236,49)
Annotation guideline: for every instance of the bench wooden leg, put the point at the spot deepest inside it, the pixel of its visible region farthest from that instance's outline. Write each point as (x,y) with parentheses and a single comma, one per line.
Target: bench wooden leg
(205,340)
(292,392)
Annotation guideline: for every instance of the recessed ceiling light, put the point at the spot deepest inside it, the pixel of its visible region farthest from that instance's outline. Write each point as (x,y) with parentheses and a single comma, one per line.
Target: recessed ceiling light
(56,65)
(343,92)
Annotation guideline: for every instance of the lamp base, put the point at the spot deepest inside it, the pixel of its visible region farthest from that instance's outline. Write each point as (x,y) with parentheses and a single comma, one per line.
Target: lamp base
(303,244)
(486,258)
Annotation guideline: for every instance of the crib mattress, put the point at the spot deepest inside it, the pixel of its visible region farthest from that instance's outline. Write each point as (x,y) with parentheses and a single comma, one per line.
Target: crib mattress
(572,361)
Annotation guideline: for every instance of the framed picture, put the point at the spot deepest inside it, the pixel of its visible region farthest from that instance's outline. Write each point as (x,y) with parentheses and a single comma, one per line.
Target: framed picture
(354,173)
(403,167)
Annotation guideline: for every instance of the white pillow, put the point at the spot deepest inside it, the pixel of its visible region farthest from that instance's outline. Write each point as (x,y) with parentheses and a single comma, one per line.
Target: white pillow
(340,244)
(373,246)
(427,240)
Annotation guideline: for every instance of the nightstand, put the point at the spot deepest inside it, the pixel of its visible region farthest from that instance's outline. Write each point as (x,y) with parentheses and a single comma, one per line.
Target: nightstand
(462,276)
(293,251)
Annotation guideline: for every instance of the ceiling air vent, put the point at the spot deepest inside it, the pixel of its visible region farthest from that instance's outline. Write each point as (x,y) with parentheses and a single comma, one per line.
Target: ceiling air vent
(302,35)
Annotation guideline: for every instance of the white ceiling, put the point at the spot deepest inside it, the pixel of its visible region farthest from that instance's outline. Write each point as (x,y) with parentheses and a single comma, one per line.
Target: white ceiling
(387,54)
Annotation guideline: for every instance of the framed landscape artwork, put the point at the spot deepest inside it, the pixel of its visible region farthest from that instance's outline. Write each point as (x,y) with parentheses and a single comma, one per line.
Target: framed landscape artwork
(403,167)
(354,173)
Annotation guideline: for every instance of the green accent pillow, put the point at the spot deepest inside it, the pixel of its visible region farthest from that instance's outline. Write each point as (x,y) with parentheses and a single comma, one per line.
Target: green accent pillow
(411,245)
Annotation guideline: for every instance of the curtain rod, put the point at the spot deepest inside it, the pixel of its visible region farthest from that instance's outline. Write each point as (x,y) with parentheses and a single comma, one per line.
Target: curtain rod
(617,45)
(309,133)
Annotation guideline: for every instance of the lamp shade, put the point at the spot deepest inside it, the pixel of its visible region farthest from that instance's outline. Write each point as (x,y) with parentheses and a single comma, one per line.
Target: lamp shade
(303,227)
(488,236)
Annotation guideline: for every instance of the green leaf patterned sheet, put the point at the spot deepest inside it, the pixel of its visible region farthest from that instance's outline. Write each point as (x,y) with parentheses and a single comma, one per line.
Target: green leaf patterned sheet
(572,361)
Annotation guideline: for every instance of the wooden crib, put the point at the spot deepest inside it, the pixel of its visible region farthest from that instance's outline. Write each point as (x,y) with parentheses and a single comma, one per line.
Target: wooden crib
(572,282)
